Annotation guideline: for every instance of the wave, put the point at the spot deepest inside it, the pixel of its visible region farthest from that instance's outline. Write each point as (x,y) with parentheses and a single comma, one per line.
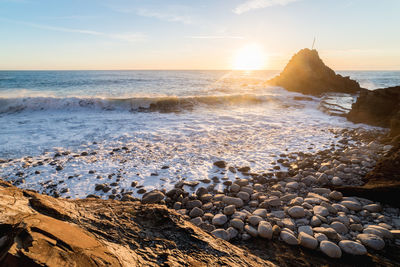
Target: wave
(138,104)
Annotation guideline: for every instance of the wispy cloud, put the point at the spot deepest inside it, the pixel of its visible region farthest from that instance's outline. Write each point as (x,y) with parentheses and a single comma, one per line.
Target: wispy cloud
(216,37)
(256,4)
(167,16)
(174,13)
(128,37)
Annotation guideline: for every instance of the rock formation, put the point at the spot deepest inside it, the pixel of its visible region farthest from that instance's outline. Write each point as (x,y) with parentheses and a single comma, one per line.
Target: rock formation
(306,73)
(379,107)
(38,230)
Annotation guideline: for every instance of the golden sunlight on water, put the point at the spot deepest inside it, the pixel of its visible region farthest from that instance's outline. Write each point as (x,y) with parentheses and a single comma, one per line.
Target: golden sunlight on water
(250,57)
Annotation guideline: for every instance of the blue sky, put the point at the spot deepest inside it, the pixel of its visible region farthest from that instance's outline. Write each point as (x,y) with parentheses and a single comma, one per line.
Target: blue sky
(148,34)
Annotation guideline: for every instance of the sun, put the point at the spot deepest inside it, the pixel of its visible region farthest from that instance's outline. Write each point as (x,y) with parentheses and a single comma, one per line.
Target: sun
(250,57)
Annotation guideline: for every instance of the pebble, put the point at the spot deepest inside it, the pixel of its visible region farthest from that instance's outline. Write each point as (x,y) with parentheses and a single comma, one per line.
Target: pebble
(254,220)
(321,211)
(265,230)
(307,241)
(288,238)
(351,205)
(221,233)
(296,212)
(336,195)
(232,232)
(237,223)
(339,227)
(320,237)
(371,241)
(229,210)
(243,196)
(233,201)
(260,212)
(251,230)
(196,212)
(219,219)
(151,197)
(378,230)
(330,249)
(305,229)
(352,247)
(373,207)
(337,181)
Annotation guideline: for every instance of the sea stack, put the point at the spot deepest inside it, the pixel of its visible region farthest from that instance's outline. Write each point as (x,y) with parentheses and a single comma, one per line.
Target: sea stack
(306,73)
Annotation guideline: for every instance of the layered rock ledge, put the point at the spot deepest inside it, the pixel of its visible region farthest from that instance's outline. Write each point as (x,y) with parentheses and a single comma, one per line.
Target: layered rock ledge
(38,230)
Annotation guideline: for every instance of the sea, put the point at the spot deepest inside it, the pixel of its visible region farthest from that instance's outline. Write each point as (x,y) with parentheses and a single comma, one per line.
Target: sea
(155,128)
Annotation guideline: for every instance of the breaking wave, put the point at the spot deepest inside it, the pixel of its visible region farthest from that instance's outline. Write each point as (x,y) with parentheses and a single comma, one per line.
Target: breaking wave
(138,104)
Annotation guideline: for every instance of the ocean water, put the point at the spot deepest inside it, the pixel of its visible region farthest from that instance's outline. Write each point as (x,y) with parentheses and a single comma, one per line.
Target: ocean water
(184,120)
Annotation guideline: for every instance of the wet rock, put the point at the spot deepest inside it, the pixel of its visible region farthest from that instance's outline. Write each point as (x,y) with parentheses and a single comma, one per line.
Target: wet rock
(152,197)
(220,164)
(330,249)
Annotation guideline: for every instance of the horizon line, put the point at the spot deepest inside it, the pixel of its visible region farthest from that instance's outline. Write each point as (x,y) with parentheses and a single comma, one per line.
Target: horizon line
(182,70)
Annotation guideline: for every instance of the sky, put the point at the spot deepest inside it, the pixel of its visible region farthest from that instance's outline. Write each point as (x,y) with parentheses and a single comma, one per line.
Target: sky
(190,34)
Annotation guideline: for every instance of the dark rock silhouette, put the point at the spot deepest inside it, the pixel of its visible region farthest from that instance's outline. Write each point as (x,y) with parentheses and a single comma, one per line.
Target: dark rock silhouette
(306,73)
(38,230)
(379,107)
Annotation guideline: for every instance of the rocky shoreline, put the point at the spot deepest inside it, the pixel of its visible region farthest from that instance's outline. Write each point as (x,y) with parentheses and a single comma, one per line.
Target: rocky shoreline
(336,206)
(296,210)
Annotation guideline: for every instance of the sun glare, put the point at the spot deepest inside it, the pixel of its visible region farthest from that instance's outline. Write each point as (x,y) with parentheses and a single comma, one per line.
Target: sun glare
(250,57)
